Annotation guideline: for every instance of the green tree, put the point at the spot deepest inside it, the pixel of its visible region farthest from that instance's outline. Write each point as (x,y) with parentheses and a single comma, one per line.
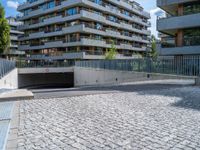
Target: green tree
(153,52)
(4,31)
(111,53)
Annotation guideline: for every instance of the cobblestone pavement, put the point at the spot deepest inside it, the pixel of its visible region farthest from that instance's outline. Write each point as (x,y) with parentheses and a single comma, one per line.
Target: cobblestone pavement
(153,119)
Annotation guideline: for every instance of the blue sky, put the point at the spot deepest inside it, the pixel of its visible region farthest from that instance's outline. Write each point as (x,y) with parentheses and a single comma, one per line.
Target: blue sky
(149,5)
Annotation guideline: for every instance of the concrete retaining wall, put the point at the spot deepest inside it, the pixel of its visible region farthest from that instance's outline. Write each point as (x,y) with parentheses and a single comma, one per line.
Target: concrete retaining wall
(10,81)
(91,76)
(81,77)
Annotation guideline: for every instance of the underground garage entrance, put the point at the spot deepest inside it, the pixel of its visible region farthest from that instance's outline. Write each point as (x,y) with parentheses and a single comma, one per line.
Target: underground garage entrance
(46,80)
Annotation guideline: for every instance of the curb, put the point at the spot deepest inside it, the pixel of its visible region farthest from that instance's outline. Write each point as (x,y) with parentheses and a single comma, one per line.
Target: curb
(17,98)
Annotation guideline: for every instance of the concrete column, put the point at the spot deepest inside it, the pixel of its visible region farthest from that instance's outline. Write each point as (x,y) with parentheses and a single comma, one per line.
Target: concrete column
(179,38)
(180,9)
(77,36)
(78,9)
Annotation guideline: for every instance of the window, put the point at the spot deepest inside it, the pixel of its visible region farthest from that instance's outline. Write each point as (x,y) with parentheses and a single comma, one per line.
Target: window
(99,26)
(71,11)
(26,12)
(113,18)
(50,4)
(98,2)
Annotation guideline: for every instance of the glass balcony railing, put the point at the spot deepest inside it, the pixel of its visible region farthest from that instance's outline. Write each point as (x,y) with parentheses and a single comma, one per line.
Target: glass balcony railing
(187,41)
(192,41)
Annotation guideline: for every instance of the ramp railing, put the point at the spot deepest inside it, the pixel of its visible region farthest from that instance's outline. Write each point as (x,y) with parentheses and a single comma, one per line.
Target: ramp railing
(186,66)
(6,66)
(42,64)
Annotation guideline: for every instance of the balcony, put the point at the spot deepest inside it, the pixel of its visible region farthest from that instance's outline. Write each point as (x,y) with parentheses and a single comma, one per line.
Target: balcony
(162,3)
(93,42)
(49,21)
(88,15)
(55,32)
(28,5)
(133,8)
(167,25)
(14,38)
(41,11)
(186,50)
(191,46)
(170,6)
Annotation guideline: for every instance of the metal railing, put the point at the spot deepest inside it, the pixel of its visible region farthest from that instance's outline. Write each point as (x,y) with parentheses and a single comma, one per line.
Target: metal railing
(42,64)
(5,67)
(186,66)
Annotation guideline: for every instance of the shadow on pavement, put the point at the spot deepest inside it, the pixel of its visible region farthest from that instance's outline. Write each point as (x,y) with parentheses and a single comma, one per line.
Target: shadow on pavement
(188,100)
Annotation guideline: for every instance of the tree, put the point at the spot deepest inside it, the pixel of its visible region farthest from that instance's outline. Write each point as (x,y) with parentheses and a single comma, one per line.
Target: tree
(111,53)
(153,52)
(4,31)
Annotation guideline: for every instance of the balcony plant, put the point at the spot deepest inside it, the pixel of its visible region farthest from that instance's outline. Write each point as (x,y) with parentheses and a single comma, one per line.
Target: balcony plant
(111,52)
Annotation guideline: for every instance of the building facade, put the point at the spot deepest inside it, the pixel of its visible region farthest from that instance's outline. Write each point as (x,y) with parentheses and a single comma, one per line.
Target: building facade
(180,27)
(14,42)
(82,29)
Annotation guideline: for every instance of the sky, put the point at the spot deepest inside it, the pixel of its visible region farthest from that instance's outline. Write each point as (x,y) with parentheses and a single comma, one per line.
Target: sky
(149,6)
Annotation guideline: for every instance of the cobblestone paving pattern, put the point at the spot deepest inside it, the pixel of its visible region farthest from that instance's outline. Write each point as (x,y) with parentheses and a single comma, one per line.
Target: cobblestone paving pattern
(150,120)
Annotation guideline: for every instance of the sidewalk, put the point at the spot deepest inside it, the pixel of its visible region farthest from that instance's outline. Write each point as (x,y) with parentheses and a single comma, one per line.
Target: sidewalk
(5,118)
(7,98)
(14,95)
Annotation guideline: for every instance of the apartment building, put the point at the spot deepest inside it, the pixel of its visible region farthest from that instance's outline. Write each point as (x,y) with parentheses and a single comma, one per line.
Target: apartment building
(180,27)
(83,29)
(14,34)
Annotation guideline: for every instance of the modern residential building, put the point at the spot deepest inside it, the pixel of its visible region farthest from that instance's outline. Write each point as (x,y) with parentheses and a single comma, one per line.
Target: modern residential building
(180,28)
(82,29)
(14,34)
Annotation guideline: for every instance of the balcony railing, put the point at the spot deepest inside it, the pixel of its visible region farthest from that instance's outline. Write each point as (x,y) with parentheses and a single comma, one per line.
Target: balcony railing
(106,5)
(187,41)
(192,41)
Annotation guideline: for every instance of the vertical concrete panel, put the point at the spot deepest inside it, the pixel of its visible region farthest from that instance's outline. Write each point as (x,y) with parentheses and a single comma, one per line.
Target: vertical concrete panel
(10,81)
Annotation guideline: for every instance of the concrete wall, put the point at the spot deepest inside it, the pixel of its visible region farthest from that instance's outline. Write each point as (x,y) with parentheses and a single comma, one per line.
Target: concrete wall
(45,70)
(90,76)
(10,81)
(45,80)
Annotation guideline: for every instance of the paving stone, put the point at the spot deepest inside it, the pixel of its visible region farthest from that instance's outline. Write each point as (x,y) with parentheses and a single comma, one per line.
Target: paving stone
(149,119)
